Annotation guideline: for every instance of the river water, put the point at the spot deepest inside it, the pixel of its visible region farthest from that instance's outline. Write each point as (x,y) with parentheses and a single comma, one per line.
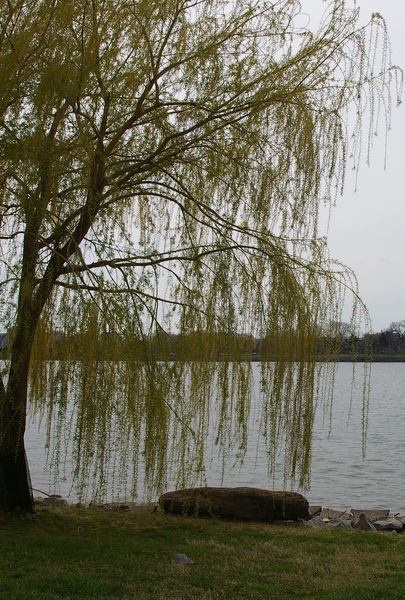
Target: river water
(340,478)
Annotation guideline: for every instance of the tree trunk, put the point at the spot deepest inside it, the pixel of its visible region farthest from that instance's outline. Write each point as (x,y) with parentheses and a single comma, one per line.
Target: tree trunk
(15,482)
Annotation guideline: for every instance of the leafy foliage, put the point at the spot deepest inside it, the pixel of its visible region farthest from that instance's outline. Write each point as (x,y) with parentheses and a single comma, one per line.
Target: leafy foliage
(162,167)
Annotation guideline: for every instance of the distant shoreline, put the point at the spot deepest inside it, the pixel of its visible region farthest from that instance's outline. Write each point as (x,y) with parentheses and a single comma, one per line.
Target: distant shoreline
(373,358)
(387,358)
(359,358)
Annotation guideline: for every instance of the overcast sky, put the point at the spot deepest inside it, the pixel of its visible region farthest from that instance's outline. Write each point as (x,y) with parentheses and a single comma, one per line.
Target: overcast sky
(367,229)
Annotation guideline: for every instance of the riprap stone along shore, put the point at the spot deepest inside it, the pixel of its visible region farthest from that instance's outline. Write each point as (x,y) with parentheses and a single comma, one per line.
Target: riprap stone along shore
(256,505)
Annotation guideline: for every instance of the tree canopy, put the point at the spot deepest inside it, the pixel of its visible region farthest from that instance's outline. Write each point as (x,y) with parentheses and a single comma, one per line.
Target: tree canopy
(162,168)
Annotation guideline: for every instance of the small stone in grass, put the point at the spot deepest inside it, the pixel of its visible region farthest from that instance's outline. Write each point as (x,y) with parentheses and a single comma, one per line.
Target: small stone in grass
(182,559)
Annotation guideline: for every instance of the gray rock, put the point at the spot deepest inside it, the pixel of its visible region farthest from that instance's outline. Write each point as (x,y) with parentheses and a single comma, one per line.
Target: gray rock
(388,525)
(317,521)
(364,523)
(374,514)
(245,503)
(56,500)
(182,559)
(345,523)
(314,511)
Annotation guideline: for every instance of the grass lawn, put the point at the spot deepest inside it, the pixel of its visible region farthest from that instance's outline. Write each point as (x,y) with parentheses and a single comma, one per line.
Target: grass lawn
(71,553)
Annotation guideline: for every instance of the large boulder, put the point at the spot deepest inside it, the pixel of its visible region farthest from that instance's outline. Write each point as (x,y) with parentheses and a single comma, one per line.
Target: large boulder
(245,503)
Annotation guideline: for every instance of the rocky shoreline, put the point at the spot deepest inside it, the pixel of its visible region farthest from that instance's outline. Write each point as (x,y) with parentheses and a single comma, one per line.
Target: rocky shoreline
(361,519)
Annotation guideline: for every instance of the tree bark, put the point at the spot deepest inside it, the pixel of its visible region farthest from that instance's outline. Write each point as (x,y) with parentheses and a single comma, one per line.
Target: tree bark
(15,482)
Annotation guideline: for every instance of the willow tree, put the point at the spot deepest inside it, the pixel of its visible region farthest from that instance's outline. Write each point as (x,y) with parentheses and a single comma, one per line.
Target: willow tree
(162,168)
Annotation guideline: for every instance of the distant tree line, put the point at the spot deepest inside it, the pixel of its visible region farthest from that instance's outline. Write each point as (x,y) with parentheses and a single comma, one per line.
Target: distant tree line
(338,341)
(389,341)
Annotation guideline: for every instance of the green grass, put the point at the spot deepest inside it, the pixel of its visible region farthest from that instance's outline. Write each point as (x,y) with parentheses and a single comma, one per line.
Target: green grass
(93,554)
